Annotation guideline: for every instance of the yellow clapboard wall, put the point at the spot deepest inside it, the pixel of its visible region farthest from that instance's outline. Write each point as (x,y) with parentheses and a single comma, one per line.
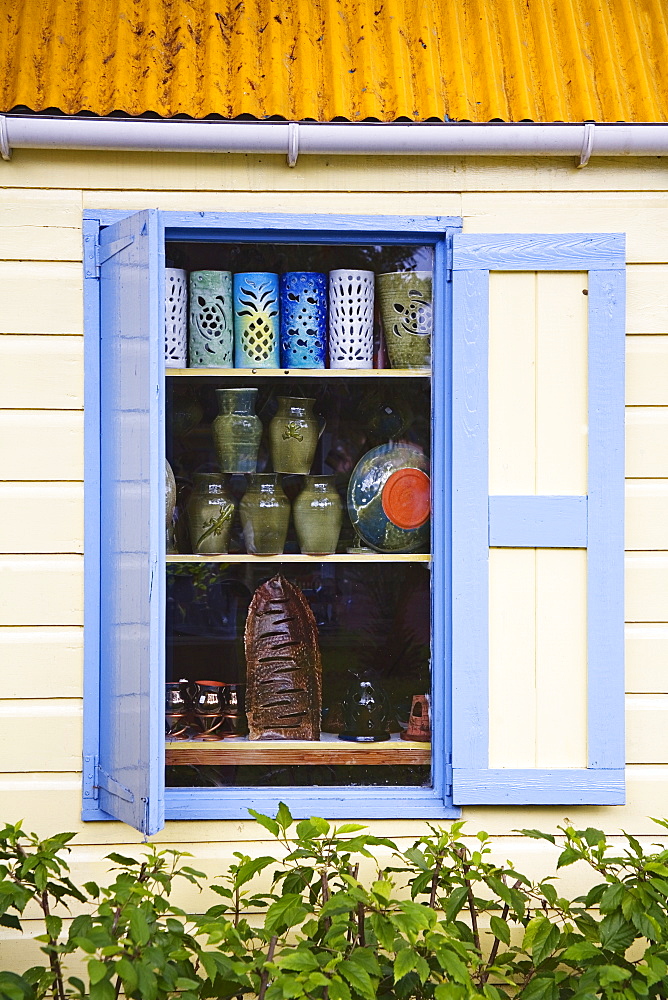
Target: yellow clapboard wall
(42,195)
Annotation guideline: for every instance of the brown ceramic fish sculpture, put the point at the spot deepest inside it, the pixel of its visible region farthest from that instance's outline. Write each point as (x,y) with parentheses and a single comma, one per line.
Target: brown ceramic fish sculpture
(283,668)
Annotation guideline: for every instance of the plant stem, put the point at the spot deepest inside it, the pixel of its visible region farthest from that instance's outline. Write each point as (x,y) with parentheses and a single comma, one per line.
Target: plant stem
(471,898)
(434,882)
(54,960)
(495,947)
(264,978)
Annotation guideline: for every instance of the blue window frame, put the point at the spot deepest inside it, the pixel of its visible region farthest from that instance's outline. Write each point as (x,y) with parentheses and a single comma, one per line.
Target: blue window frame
(125,573)
(124,257)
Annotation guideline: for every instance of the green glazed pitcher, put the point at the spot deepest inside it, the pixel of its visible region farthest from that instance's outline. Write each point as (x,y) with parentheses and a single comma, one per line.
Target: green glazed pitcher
(318,513)
(210,513)
(265,514)
(237,430)
(293,435)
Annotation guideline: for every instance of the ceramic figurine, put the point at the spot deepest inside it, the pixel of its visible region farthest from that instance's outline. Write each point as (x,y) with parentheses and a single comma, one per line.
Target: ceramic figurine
(293,435)
(419,723)
(303,319)
(367,711)
(176,317)
(177,709)
(265,515)
(406,310)
(318,513)
(208,702)
(283,668)
(170,504)
(237,430)
(351,318)
(256,320)
(389,498)
(210,513)
(211,327)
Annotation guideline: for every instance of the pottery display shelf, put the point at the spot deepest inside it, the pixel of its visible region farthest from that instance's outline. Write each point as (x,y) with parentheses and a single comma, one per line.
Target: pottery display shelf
(329,750)
(256,373)
(298,557)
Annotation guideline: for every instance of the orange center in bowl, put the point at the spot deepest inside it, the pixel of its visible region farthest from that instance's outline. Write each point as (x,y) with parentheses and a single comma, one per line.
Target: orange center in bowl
(405,498)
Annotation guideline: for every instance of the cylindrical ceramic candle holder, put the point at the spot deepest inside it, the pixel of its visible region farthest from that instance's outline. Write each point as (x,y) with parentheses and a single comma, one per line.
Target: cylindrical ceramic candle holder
(176,317)
(351,319)
(256,320)
(405,308)
(211,329)
(303,319)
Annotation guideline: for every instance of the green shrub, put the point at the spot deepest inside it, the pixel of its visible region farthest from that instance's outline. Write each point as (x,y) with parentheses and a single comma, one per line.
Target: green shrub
(441,921)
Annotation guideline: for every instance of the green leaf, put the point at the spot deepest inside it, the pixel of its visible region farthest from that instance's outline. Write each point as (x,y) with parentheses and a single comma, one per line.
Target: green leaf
(500,929)
(284,817)
(453,966)
(249,868)
(592,836)
(537,835)
(287,911)
(454,903)
(612,897)
(301,960)
(568,857)
(266,822)
(349,828)
(616,934)
(646,925)
(581,951)
(358,978)
(126,970)
(415,855)
(607,974)
(9,920)
(405,961)
(338,989)
(122,859)
(540,989)
(147,983)
(105,991)
(96,970)
(139,927)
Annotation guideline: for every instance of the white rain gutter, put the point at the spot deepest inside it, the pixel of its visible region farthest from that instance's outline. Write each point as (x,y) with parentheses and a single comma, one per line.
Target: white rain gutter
(292,139)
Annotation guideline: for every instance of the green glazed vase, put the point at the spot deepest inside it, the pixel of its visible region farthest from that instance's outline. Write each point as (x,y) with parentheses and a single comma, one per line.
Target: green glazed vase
(293,436)
(406,311)
(265,514)
(237,430)
(210,513)
(318,513)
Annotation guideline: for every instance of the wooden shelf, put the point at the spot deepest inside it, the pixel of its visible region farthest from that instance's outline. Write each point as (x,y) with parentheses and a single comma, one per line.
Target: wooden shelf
(326,373)
(330,750)
(291,557)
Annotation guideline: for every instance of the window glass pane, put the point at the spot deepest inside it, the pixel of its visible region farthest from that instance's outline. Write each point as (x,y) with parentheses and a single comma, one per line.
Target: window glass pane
(367,600)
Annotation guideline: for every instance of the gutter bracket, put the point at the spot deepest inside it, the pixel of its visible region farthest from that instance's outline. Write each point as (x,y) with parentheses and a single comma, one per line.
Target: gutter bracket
(587,144)
(5,148)
(293,143)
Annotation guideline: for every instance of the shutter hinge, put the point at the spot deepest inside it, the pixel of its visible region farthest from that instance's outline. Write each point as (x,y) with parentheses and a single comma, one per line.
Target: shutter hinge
(95,255)
(95,778)
(448,260)
(90,776)
(448,774)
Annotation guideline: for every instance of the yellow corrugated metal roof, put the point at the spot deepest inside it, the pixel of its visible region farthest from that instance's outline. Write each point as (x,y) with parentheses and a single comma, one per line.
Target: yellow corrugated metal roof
(478,60)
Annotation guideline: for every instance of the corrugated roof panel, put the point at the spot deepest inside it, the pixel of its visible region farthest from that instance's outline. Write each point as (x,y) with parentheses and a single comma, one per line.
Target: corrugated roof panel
(477,60)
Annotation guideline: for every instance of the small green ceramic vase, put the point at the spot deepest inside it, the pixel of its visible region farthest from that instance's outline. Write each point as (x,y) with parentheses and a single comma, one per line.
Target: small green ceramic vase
(265,514)
(293,435)
(210,513)
(170,504)
(318,513)
(237,430)
(405,307)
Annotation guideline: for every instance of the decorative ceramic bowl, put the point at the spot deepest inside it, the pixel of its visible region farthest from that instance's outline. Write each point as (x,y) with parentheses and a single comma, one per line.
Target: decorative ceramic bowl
(389,498)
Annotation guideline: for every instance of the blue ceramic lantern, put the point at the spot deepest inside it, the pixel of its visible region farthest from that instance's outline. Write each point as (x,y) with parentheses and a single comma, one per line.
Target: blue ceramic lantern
(303,319)
(256,325)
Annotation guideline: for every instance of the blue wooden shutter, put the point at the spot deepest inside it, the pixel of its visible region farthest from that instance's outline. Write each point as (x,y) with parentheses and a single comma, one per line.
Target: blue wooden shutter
(594,521)
(130,774)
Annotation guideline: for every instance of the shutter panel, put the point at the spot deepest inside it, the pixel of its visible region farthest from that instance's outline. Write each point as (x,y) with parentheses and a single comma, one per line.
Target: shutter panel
(520,544)
(130,775)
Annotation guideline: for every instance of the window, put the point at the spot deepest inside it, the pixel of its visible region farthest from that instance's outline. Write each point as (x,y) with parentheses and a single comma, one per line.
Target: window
(152,617)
